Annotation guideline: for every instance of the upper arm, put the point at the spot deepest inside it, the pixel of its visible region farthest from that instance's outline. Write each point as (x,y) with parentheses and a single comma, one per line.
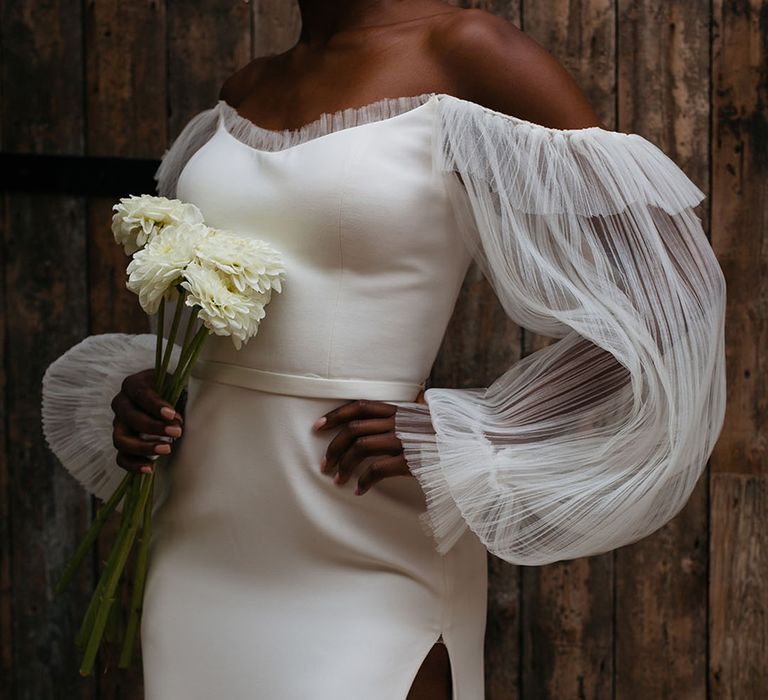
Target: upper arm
(495,64)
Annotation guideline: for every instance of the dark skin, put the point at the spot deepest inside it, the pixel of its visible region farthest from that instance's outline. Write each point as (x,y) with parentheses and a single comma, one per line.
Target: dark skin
(351,53)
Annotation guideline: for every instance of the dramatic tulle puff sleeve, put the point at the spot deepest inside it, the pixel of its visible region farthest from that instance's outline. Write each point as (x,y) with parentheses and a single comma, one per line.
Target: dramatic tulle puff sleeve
(77,392)
(591,443)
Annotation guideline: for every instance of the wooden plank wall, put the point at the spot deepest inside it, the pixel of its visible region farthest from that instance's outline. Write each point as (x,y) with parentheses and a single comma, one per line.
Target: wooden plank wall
(682,614)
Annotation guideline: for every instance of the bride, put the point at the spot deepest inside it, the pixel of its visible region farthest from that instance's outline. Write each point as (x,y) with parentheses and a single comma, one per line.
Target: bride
(396,142)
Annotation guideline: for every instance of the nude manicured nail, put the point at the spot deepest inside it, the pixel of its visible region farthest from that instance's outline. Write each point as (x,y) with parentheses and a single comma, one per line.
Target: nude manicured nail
(319,423)
(163,449)
(173,430)
(168,413)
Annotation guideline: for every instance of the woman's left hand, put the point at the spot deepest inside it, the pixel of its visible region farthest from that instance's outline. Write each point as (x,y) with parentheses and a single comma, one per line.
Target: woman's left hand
(369,430)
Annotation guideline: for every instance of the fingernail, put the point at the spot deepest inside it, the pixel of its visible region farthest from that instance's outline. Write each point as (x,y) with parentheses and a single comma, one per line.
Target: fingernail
(173,430)
(337,478)
(163,449)
(146,469)
(358,492)
(323,462)
(168,413)
(319,423)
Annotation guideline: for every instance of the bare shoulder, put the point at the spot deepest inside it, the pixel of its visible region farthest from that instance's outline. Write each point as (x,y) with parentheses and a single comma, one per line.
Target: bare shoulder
(494,63)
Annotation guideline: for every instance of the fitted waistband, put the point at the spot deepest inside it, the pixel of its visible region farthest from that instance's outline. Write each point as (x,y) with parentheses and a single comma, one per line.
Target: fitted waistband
(304,384)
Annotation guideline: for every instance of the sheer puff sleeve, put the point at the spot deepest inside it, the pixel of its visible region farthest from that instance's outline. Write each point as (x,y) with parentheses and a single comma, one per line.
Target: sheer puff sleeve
(76,413)
(597,440)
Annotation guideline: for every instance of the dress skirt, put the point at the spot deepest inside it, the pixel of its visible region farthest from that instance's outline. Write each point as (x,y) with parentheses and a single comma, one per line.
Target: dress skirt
(267,581)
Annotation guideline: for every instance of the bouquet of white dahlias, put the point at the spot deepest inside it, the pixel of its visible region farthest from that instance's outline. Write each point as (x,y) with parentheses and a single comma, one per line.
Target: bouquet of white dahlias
(226,280)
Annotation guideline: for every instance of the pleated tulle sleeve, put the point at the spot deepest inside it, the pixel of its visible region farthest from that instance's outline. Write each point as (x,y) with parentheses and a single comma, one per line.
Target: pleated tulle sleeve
(595,441)
(76,411)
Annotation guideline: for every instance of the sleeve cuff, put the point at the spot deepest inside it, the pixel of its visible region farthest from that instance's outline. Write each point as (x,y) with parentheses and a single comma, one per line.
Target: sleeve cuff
(77,392)
(442,520)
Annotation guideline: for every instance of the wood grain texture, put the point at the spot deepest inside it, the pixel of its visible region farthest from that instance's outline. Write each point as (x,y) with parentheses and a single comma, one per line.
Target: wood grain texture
(738,588)
(45,313)
(125,104)
(737,596)
(7,637)
(568,629)
(125,101)
(208,40)
(276,26)
(661,581)
(740,224)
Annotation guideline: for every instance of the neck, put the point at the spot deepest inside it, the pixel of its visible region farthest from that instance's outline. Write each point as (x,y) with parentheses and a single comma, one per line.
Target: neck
(321,19)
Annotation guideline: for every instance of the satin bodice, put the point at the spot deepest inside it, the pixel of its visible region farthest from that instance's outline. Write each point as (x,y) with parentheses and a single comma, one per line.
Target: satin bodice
(373,255)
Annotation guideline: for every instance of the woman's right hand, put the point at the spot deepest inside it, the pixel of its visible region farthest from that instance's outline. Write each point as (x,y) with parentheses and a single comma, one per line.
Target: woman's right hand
(139,409)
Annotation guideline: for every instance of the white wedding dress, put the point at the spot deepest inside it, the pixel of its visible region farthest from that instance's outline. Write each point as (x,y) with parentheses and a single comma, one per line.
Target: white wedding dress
(266,580)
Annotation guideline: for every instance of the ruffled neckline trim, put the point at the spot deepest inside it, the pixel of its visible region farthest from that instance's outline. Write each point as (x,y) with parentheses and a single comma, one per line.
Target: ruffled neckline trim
(265,139)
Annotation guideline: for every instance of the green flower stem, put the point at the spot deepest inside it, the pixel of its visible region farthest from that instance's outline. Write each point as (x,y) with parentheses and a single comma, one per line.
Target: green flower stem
(196,345)
(171,337)
(113,623)
(115,570)
(159,344)
(191,322)
(186,350)
(137,595)
(87,623)
(93,531)
(103,615)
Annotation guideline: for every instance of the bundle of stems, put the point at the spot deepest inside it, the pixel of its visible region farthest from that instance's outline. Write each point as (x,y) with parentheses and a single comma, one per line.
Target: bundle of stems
(135,492)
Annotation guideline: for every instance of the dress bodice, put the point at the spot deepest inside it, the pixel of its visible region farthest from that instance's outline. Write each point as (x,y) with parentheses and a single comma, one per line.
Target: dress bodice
(374,259)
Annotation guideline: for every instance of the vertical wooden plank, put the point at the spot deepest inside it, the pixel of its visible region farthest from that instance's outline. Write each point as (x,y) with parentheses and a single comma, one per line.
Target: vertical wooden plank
(740,223)
(738,597)
(276,26)
(568,623)
(661,615)
(661,582)
(6,581)
(45,308)
(568,606)
(208,40)
(125,107)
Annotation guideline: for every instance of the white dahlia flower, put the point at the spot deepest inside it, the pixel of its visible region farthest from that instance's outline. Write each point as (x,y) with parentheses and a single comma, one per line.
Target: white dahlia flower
(222,309)
(157,267)
(249,263)
(137,219)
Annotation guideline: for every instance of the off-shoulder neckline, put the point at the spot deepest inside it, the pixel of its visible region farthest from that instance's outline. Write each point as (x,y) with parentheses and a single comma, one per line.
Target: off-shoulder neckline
(385,109)
(262,139)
